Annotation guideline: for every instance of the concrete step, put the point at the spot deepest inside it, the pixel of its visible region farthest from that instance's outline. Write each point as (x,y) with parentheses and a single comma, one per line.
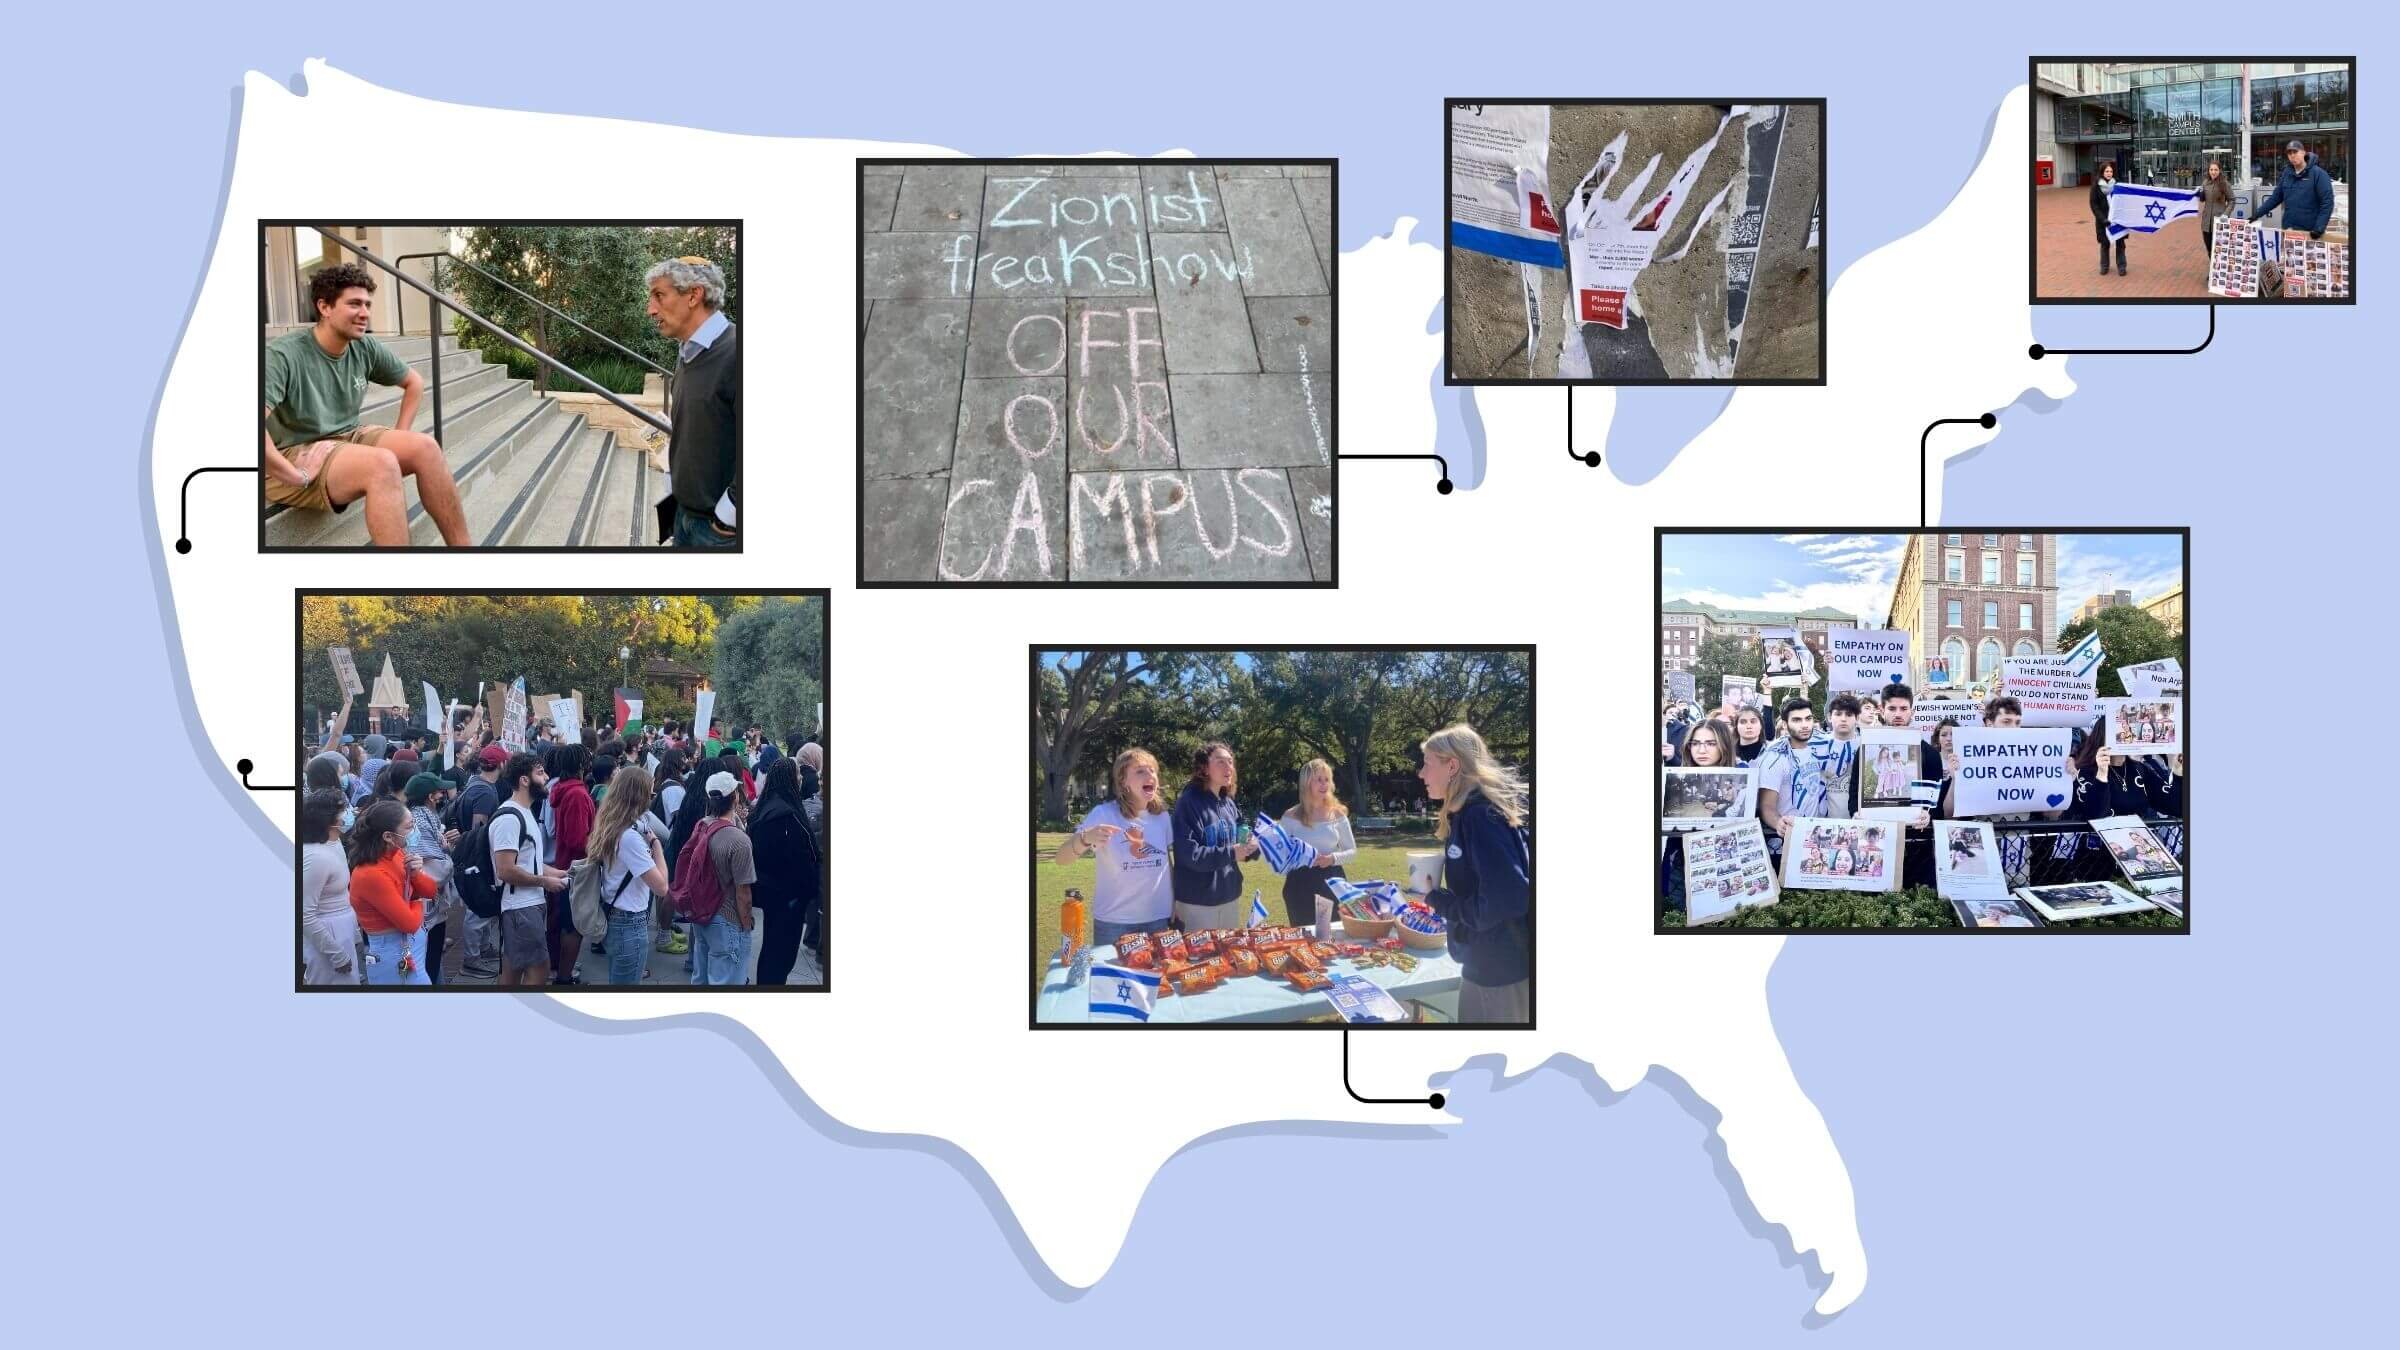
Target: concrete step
(565,513)
(480,438)
(622,517)
(504,499)
(383,401)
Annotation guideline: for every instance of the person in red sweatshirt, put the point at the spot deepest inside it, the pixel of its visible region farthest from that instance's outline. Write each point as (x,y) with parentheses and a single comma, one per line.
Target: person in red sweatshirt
(571,812)
(388,891)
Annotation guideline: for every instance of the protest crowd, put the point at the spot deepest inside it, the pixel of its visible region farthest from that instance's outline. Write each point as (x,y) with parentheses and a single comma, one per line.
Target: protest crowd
(664,855)
(1804,770)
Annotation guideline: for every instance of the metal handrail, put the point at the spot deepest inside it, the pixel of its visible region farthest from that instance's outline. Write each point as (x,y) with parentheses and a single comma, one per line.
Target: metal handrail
(434,322)
(439,257)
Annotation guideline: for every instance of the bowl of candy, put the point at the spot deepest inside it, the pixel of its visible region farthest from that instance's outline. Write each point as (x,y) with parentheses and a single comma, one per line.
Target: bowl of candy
(1423,929)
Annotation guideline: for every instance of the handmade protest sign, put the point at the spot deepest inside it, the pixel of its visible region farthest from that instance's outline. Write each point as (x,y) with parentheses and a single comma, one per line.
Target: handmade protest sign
(2011,769)
(1787,660)
(2051,694)
(562,716)
(1927,714)
(1858,660)
(433,708)
(346,670)
(1500,182)
(1724,869)
(2145,726)
(704,709)
(512,715)
(1842,855)
(1682,686)
(1689,798)
(2162,678)
(1966,863)
(1609,241)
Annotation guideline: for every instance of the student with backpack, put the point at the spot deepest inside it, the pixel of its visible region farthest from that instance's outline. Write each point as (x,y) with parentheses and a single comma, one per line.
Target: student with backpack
(474,805)
(713,875)
(514,843)
(626,850)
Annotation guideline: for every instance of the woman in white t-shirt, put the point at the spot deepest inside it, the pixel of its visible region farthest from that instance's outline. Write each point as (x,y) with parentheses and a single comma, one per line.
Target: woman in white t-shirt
(631,871)
(1321,821)
(1128,836)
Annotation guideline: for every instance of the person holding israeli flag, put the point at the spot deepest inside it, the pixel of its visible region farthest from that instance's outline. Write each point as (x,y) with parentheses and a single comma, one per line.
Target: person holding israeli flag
(2124,208)
(1320,821)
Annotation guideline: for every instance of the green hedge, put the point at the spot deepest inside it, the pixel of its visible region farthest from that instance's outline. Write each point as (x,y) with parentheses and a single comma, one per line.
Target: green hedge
(1916,907)
(615,374)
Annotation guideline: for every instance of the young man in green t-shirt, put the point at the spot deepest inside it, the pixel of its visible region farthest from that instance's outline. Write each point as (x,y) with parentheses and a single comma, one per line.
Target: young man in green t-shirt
(317,455)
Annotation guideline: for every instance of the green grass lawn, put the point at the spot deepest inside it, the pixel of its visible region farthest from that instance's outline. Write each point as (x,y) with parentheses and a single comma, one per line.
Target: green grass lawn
(1381,857)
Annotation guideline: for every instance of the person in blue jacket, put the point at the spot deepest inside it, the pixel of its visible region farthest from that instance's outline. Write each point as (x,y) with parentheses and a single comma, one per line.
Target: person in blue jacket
(1486,893)
(2304,191)
(1209,850)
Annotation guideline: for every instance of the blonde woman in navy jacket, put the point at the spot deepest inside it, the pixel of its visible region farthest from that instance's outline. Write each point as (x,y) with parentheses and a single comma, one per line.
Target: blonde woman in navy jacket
(1486,893)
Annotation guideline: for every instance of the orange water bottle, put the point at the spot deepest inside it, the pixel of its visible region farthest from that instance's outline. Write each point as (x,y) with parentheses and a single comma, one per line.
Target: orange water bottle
(1075,922)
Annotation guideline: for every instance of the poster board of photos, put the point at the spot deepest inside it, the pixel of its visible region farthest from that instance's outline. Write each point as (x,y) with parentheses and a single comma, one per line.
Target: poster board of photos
(1692,799)
(2149,867)
(2069,901)
(1726,868)
(2144,726)
(1822,854)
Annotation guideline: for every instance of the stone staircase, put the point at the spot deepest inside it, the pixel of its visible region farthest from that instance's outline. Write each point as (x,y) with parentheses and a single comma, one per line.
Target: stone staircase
(530,473)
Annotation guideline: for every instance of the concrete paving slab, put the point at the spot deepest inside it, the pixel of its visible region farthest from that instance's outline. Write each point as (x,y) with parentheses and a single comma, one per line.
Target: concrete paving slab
(919,265)
(1227,421)
(876,198)
(1249,171)
(1206,325)
(1120,415)
(1006,519)
(1313,490)
(1063,236)
(1294,334)
(1209,526)
(915,350)
(1017,337)
(903,527)
(1078,168)
(1316,208)
(940,197)
(1183,198)
(1266,225)
(1308,171)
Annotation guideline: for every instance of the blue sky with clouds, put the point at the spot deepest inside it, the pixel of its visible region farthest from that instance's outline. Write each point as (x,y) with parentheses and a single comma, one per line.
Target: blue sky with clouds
(1854,573)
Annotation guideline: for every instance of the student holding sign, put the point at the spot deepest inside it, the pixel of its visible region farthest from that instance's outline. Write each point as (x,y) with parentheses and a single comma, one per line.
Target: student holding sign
(2110,784)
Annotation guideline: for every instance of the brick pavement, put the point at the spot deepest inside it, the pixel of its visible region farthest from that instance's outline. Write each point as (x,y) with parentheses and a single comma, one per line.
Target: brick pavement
(1097,371)
(2172,263)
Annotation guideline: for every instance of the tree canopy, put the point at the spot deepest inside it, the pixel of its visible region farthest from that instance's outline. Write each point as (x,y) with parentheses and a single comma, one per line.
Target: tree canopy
(590,272)
(2129,636)
(1361,711)
(563,642)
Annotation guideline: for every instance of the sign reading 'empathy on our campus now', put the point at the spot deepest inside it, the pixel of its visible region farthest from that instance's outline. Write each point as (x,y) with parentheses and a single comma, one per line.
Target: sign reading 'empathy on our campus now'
(2012,769)
(1863,659)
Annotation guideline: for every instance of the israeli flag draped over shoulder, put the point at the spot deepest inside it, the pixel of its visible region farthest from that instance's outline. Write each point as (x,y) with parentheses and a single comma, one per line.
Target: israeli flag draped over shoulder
(1279,848)
(2135,206)
(1122,992)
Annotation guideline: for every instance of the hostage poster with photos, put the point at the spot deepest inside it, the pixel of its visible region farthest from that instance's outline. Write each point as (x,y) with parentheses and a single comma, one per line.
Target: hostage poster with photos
(1691,798)
(1785,662)
(2145,726)
(1725,868)
(1842,855)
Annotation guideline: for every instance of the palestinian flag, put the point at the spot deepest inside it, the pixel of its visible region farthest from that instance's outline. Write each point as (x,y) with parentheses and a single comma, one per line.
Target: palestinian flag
(629,710)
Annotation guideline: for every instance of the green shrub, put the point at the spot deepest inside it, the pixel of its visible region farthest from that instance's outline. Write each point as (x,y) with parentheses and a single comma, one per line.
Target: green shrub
(1915,907)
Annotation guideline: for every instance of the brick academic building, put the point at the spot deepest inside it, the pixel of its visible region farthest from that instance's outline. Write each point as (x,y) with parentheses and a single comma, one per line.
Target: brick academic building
(1685,624)
(1979,598)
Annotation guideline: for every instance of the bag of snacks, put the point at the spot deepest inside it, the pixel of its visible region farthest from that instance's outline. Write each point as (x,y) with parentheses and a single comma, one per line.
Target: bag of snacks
(1137,951)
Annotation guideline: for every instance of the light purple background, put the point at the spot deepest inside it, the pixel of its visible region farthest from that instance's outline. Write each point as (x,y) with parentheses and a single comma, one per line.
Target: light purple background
(2102,1140)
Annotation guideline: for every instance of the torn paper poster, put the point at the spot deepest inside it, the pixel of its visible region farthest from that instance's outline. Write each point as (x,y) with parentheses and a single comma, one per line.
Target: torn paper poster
(1500,182)
(1748,228)
(1609,243)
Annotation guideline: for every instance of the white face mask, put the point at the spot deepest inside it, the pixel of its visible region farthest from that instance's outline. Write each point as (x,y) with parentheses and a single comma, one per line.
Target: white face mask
(349,818)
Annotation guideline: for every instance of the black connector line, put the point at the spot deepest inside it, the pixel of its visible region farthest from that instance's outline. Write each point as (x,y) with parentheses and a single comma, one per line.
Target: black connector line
(1434,1101)
(2037,351)
(1925,460)
(1590,459)
(1442,487)
(243,767)
(183,502)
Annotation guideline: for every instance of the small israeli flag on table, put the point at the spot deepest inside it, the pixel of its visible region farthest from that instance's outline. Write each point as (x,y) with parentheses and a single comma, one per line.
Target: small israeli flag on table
(2133,208)
(1258,909)
(2084,655)
(1122,992)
